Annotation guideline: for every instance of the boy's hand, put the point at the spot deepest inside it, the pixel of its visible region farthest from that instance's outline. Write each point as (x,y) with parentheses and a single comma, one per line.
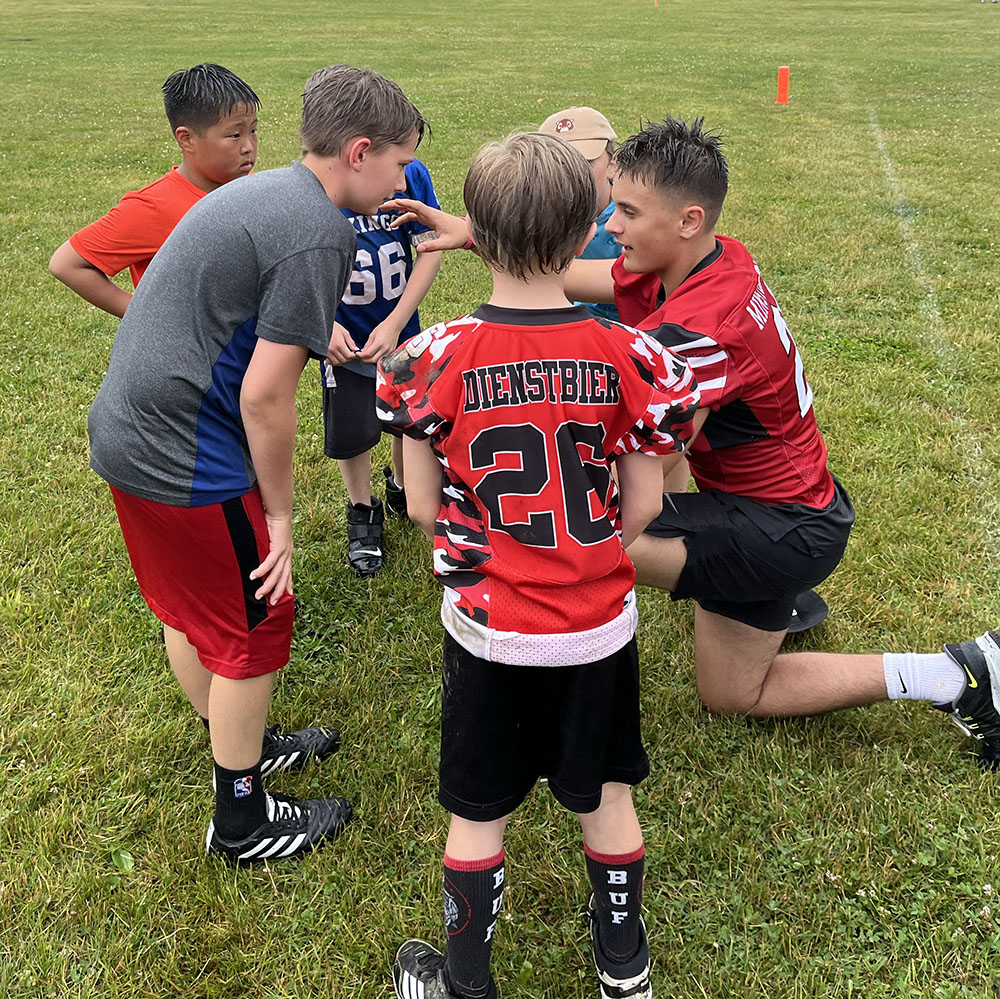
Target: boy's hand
(341,346)
(276,569)
(452,230)
(381,341)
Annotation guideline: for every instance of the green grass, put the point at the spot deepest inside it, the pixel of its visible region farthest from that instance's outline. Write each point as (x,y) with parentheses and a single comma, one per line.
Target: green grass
(847,855)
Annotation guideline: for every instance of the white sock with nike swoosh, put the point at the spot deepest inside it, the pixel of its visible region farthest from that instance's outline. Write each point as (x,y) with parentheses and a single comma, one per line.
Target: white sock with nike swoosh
(915,676)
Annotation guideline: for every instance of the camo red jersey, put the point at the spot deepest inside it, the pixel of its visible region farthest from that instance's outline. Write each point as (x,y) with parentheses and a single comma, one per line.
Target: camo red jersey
(525,409)
(760,439)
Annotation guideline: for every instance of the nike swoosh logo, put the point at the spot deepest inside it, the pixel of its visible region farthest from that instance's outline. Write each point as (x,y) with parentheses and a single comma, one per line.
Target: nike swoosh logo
(902,684)
(972,680)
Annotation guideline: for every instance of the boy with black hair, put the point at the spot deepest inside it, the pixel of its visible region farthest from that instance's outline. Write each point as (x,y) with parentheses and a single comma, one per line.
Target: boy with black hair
(769,520)
(194,430)
(514,416)
(213,116)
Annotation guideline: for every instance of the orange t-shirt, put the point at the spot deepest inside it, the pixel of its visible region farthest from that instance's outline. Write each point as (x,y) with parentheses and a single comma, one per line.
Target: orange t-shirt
(137,226)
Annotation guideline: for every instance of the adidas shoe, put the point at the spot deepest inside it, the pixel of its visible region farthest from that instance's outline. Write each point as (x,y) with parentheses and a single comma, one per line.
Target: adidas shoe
(395,496)
(364,537)
(419,973)
(621,981)
(975,710)
(292,827)
(293,750)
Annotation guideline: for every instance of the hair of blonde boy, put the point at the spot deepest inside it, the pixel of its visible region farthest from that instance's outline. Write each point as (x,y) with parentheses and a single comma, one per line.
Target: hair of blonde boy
(531,200)
(343,102)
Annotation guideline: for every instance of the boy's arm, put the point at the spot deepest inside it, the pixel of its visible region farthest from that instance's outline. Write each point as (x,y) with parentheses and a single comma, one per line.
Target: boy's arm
(91,284)
(383,338)
(267,405)
(590,281)
(422,481)
(640,486)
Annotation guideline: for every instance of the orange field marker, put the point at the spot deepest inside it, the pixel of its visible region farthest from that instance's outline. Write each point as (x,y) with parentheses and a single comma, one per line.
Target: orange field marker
(782,85)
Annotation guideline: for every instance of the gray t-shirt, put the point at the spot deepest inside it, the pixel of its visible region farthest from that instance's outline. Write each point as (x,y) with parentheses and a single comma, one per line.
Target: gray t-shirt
(265,256)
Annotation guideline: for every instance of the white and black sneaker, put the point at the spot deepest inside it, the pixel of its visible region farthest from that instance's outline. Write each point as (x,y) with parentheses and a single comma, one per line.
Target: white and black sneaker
(621,981)
(976,711)
(419,973)
(292,827)
(293,750)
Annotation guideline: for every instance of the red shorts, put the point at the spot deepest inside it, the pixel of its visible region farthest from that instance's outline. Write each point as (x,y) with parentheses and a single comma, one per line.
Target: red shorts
(193,567)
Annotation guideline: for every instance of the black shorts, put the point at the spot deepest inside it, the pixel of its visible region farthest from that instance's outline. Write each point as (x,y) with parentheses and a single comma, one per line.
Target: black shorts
(747,560)
(503,727)
(350,424)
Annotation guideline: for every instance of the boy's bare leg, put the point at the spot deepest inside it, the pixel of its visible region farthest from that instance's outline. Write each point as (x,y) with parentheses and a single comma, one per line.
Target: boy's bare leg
(237,716)
(195,680)
(475,840)
(740,673)
(357,475)
(397,461)
(614,827)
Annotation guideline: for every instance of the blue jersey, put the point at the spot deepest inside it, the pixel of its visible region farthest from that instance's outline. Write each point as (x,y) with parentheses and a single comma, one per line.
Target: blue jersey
(602,247)
(382,266)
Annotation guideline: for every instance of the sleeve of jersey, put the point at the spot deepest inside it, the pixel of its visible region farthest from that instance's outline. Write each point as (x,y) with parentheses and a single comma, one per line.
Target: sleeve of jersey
(664,427)
(718,379)
(420,187)
(635,294)
(131,231)
(403,385)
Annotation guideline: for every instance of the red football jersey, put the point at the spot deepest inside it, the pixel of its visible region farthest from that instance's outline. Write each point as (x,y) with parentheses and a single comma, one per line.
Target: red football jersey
(760,439)
(525,409)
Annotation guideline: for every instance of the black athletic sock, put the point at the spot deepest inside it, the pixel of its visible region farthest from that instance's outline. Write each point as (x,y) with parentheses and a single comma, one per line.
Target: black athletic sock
(240,803)
(617,884)
(473,894)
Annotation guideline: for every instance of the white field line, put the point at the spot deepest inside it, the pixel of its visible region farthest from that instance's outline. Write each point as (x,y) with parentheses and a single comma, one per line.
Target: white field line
(966,439)
(929,305)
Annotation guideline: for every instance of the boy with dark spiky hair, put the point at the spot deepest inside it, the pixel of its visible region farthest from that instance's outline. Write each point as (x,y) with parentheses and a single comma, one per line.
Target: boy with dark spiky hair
(213,116)
(514,417)
(194,430)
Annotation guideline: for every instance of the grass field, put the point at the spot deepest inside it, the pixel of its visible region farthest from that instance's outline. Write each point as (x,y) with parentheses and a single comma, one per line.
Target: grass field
(848,855)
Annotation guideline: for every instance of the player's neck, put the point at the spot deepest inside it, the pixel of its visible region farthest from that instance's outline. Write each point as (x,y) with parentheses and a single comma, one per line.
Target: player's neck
(694,252)
(328,173)
(540,291)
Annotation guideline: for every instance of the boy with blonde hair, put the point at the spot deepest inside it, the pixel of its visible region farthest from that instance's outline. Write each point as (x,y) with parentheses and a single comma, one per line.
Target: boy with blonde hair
(194,430)
(514,416)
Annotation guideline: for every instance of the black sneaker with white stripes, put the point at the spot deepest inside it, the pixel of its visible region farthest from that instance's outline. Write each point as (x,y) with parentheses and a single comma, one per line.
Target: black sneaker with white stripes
(621,981)
(976,711)
(292,827)
(293,750)
(364,537)
(419,973)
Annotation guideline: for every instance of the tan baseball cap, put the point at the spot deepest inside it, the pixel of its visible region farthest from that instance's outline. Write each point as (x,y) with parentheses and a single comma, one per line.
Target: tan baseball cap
(586,129)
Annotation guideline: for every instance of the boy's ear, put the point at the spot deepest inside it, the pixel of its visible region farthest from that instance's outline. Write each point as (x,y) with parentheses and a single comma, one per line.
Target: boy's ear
(357,150)
(691,220)
(591,233)
(184,137)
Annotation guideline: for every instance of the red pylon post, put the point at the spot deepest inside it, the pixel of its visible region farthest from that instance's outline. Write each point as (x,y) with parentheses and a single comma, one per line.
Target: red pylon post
(782,85)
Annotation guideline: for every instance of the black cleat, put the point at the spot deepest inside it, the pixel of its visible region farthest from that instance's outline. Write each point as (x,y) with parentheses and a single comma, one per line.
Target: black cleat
(395,496)
(419,973)
(810,609)
(364,537)
(975,711)
(293,750)
(621,981)
(292,827)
